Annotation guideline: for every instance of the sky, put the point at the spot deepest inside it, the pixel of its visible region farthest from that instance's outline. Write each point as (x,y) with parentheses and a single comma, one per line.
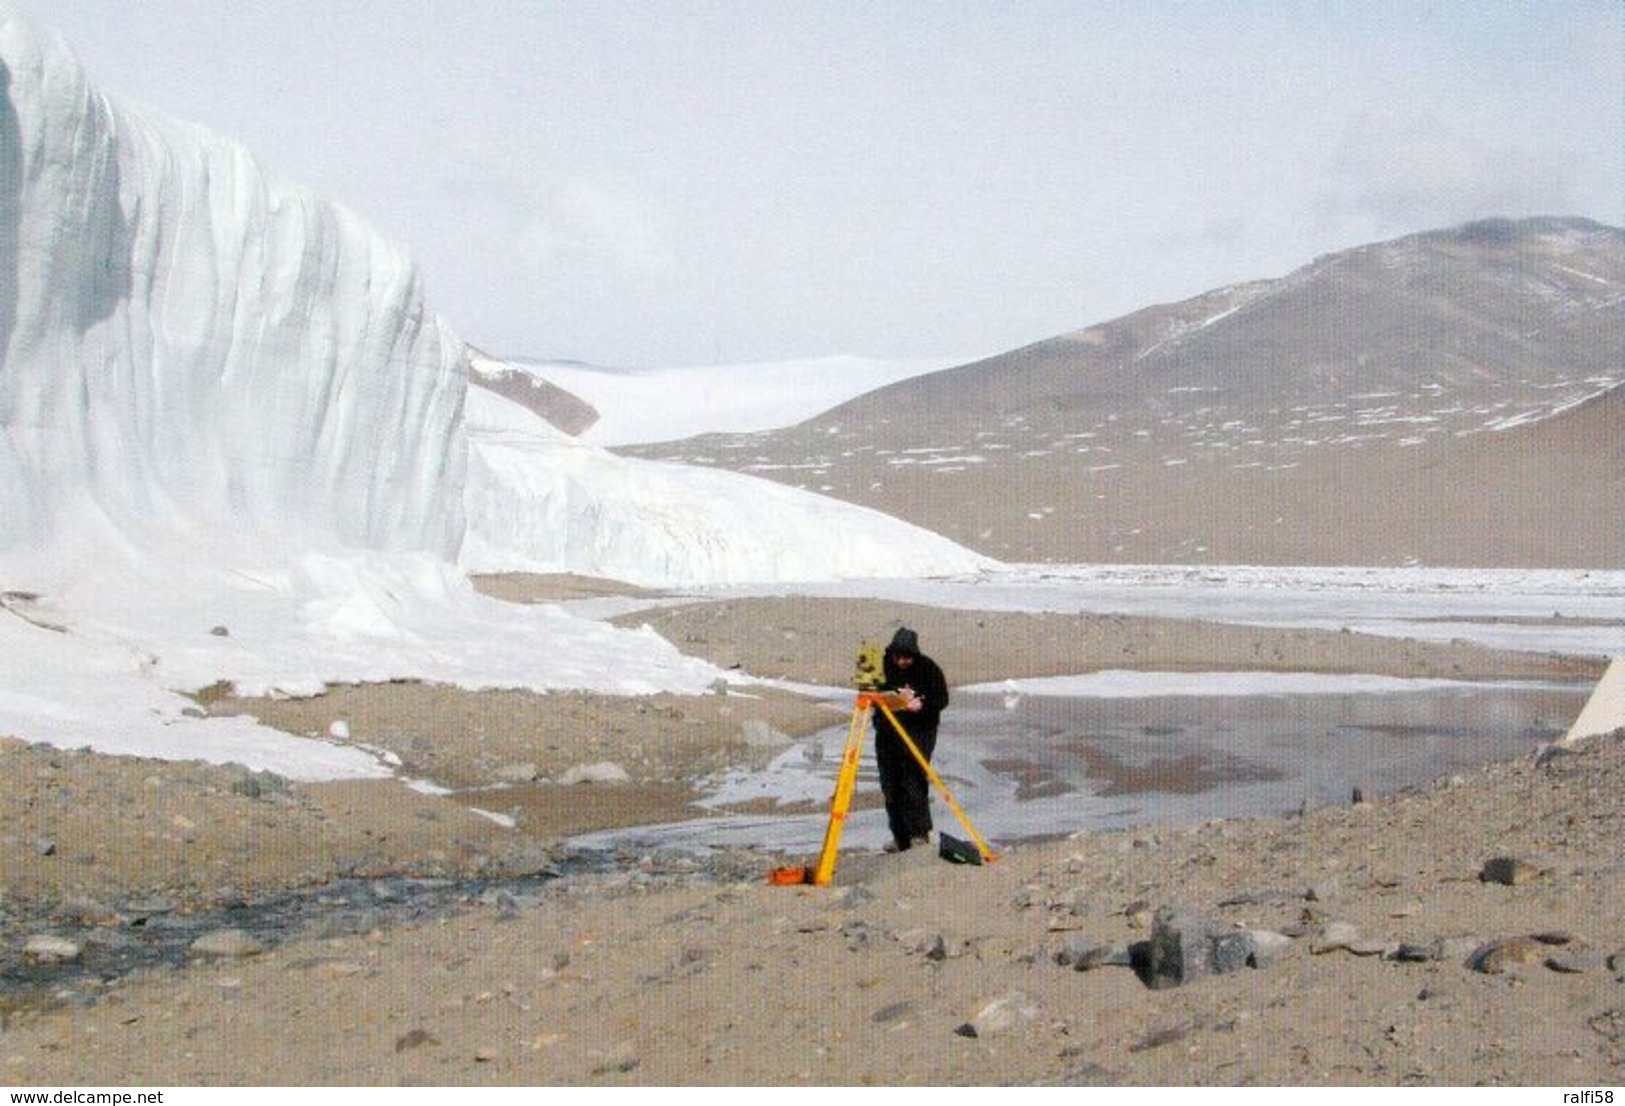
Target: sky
(679,183)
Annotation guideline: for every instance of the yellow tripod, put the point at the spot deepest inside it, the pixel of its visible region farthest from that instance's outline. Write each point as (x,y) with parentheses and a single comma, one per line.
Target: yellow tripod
(862,712)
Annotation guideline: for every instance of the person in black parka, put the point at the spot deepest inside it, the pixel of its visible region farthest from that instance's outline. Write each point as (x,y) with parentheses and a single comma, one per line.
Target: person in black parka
(903,783)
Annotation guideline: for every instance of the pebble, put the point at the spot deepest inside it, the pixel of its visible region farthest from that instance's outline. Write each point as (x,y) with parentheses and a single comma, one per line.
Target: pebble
(517,773)
(49,948)
(227,944)
(1415,952)
(1334,936)
(894,1012)
(1497,956)
(415,1038)
(1324,890)
(1508,871)
(1574,963)
(999,1016)
(1084,955)
(1268,946)
(601,772)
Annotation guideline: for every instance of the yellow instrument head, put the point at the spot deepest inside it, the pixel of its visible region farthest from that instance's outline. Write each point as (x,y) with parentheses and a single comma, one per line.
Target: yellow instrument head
(871,671)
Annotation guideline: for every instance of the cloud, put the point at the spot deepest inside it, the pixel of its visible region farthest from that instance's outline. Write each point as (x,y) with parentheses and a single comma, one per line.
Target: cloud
(1395,174)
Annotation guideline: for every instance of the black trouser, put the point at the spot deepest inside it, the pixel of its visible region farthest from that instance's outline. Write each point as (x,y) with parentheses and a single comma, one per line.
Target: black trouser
(903,782)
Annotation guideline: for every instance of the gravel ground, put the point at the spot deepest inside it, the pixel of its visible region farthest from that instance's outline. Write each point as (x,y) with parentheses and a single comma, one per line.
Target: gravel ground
(908,970)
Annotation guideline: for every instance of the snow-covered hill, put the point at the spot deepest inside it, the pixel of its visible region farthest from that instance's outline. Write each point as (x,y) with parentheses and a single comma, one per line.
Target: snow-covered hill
(641,407)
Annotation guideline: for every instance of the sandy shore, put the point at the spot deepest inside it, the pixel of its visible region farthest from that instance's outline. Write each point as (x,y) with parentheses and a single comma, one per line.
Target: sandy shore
(908,970)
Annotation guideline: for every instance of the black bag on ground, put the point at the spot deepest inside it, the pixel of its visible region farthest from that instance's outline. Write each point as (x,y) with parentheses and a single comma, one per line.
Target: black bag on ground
(955,851)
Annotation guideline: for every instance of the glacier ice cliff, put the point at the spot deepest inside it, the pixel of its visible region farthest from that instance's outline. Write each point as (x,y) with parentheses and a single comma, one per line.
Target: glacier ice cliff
(190,345)
(198,357)
(539,501)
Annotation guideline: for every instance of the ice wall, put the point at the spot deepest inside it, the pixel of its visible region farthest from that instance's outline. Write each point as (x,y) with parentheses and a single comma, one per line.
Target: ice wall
(540,501)
(189,346)
(203,364)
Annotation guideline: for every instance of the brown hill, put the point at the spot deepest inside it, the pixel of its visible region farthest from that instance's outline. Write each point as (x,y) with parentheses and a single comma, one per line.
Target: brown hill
(564,410)
(1415,400)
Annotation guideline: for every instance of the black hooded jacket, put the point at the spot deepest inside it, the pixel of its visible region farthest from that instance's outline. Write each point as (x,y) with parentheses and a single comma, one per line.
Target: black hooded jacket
(926,680)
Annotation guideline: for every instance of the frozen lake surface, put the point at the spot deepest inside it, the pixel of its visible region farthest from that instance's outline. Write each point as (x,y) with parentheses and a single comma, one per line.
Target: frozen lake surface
(1033,766)
(1108,749)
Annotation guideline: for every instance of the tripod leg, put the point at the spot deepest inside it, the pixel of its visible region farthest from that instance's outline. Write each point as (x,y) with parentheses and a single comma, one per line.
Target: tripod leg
(845,783)
(987,853)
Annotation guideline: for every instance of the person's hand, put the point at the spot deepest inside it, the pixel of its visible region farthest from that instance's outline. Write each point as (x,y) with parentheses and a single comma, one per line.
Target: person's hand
(911,698)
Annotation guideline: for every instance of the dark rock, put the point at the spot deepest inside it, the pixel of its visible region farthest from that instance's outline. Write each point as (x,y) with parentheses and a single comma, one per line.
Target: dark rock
(1410,952)
(1508,871)
(1184,947)
(416,1038)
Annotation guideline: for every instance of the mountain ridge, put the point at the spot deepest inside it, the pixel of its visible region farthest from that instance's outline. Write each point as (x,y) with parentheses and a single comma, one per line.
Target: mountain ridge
(1207,429)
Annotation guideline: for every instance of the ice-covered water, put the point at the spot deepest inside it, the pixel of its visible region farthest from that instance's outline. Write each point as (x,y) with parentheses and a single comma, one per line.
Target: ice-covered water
(1190,746)
(1034,766)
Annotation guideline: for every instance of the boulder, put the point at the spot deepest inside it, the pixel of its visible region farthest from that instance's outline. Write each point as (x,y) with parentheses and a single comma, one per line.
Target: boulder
(1184,947)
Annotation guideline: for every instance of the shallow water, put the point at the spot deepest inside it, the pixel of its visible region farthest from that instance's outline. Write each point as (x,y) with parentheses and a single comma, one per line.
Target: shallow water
(1045,766)
(155,935)
(1026,767)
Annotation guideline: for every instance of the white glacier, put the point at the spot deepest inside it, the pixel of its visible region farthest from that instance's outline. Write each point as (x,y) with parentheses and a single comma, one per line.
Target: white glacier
(542,502)
(194,347)
(234,449)
(189,343)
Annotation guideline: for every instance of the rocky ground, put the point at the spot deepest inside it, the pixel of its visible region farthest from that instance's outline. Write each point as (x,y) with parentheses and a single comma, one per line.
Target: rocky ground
(431,943)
